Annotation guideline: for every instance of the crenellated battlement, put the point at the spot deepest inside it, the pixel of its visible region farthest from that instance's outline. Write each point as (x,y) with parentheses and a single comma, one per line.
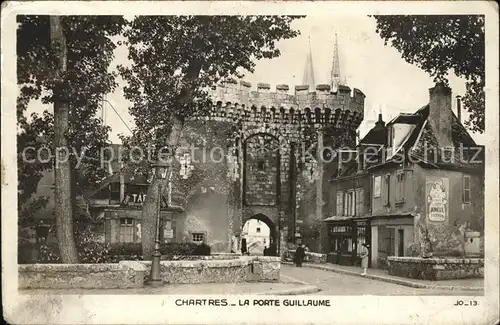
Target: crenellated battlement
(237,101)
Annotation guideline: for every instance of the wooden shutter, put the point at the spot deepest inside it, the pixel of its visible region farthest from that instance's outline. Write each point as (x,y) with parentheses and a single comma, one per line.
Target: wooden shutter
(360,202)
(340,201)
(466,189)
(386,190)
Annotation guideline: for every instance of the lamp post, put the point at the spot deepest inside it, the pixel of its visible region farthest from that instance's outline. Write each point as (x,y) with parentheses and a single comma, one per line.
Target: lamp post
(162,169)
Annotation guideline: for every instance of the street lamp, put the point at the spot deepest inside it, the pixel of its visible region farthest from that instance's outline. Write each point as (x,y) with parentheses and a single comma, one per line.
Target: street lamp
(162,169)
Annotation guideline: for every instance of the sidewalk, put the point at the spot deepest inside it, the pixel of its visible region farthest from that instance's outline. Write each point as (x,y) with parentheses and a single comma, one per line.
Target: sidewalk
(382,275)
(286,286)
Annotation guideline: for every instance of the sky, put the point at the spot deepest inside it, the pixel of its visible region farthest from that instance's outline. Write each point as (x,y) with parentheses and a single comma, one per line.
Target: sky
(390,84)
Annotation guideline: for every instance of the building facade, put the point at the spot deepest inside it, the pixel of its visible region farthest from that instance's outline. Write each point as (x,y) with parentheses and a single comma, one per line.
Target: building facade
(348,215)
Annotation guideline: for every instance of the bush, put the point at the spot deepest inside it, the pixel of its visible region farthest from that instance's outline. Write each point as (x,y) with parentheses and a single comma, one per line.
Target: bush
(92,250)
(133,251)
(28,253)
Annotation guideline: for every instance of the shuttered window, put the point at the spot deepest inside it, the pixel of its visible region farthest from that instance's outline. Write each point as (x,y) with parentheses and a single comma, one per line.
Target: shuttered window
(360,208)
(466,189)
(340,203)
(400,186)
(387,189)
(127,230)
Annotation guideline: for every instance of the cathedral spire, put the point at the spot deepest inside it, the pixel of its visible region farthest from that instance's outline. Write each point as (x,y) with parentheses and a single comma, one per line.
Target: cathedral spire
(335,75)
(308,78)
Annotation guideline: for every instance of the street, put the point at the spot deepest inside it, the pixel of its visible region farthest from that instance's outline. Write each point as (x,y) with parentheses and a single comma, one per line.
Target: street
(332,283)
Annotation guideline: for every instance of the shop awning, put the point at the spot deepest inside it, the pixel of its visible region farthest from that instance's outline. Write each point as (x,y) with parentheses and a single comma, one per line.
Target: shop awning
(344,218)
(394,215)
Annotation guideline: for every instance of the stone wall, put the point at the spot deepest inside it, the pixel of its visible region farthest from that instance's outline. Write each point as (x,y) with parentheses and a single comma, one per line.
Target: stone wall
(80,276)
(243,269)
(436,268)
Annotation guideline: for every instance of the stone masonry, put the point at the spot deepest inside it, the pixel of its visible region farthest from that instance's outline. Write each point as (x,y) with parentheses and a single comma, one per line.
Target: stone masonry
(269,124)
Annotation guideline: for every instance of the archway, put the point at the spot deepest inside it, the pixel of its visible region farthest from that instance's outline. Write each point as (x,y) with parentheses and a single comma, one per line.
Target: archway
(259,233)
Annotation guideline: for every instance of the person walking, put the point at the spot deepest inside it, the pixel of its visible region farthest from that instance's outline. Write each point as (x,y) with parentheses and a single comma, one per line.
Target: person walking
(299,255)
(364,257)
(244,246)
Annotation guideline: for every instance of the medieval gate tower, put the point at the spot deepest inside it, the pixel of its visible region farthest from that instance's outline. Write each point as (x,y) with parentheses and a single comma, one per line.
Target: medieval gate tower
(268,157)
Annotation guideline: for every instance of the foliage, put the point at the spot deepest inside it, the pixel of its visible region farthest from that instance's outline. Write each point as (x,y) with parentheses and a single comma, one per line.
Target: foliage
(175,59)
(91,251)
(439,44)
(89,54)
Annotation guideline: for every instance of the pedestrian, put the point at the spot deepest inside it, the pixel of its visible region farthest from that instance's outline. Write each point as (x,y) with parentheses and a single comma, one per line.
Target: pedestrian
(299,255)
(266,251)
(364,257)
(243,246)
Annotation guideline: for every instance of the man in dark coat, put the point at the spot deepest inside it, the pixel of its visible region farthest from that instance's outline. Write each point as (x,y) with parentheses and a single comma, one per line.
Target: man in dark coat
(300,253)
(243,246)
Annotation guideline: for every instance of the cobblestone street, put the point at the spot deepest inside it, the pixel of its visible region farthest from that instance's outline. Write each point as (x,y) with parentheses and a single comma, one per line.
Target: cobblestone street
(332,283)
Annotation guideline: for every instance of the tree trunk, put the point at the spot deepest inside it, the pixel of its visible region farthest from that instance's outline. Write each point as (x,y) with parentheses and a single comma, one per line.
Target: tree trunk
(63,203)
(149,208)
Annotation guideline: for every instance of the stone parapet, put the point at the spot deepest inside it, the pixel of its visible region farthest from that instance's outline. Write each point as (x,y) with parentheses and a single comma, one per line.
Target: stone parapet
(436,268)
(238,102)
(242,269)
(81,276)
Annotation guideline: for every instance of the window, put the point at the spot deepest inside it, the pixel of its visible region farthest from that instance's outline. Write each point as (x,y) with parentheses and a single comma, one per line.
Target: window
(349,204)
(400,186)
(387,184)
(360,209)
(198,237)
(466,189)
(258,230)
(261,165)
(376,186)
(127,230)
(340,203)
(114,192)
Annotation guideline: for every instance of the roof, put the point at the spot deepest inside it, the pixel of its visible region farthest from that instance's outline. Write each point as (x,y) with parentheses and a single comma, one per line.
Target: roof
(419,141)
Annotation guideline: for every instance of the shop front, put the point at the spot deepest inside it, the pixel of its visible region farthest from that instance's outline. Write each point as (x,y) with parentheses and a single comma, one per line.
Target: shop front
(392,235)
(345,238)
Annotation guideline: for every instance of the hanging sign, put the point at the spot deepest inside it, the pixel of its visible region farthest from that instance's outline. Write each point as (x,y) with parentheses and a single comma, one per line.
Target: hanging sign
(134,198)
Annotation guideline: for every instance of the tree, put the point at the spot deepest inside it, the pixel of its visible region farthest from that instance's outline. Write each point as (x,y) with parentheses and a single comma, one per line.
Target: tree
(175,59)
(72,73)
(439,44)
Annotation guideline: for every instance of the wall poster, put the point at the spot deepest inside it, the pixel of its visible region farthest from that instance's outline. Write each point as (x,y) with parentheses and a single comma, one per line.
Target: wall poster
(437,189)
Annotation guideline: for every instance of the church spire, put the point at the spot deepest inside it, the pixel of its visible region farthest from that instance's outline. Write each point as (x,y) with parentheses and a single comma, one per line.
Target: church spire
(308,78)
(335,75)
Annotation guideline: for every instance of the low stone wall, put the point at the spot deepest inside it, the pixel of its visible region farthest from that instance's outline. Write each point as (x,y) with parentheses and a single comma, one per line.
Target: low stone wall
(311,257)
(242,269)
(80,276)
(436,268)
(216,256)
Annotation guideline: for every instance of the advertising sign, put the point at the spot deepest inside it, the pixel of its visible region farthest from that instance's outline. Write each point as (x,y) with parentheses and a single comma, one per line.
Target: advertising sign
(437,189)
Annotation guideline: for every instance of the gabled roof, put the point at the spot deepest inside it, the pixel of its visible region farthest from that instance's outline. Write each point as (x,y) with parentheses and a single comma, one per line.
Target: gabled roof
(422,136)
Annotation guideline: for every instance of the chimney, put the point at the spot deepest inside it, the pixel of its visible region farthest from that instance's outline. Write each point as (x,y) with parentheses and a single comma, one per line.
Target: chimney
(459,108)
(380,122)
(440,113)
